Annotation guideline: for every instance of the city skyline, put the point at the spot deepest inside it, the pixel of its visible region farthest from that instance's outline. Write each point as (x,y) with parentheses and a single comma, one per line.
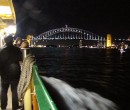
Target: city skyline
(100,17)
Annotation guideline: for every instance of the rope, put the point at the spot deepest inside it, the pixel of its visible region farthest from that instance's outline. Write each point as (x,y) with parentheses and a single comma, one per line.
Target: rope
(25,76)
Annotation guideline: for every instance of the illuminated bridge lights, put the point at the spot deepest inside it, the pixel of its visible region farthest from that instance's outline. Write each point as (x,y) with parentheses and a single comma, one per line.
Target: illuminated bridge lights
(68,33)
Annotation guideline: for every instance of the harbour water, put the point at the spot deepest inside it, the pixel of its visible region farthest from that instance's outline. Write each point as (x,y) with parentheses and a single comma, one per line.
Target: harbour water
(104,71)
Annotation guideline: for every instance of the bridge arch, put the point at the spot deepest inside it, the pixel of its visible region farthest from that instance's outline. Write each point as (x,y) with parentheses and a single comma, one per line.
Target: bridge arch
(68,33)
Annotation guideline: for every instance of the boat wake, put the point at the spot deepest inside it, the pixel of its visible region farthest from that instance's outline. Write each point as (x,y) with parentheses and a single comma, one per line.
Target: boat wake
(69,98)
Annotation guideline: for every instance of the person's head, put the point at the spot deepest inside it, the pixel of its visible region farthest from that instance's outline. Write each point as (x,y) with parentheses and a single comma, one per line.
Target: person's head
(24,44)
(18,40)
(9,40)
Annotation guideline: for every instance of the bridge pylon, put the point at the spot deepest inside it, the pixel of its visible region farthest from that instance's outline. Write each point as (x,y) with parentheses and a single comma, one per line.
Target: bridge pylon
(109,40)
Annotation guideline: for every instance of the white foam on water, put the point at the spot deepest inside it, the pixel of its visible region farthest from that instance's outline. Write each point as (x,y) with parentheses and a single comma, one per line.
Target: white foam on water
(80,99)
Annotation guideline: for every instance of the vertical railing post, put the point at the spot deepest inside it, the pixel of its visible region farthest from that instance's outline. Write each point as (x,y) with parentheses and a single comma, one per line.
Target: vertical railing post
(25,52)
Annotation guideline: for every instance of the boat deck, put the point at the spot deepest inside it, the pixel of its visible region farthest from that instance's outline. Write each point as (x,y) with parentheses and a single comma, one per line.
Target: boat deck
(9,106)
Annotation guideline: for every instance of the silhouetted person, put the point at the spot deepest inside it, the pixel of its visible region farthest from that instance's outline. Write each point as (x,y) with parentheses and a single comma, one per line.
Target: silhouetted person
(10,56)
(24,44)
(18,42)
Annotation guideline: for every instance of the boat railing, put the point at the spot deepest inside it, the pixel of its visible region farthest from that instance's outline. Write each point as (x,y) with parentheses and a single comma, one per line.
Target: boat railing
(44,100)
(36,96)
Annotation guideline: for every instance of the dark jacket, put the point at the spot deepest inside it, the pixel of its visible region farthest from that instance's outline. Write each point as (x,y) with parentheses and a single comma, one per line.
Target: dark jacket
(9,62)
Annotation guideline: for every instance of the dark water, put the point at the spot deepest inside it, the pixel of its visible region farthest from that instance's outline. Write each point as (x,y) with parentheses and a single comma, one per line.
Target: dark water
(104,71)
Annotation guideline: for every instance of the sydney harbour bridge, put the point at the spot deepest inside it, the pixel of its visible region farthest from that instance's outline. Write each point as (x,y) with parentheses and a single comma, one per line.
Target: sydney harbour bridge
(67,36)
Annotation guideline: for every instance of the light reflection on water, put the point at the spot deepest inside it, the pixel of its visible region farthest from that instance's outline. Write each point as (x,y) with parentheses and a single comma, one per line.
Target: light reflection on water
(104,71)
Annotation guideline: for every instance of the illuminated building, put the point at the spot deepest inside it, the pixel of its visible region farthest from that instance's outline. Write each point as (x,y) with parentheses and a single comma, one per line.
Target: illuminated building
(109,40)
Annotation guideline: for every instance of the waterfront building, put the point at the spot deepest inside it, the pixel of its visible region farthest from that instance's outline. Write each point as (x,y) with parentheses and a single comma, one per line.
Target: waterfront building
(109,40)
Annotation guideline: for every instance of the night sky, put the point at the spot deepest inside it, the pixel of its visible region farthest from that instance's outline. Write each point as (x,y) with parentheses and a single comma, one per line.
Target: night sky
(98,16)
